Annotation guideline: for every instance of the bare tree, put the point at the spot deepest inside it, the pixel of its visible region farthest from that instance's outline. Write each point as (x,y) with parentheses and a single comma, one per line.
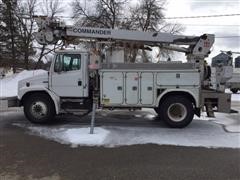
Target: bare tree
(50,8)
(104,13)
(148,16)
(145,16)
(45,50)
(25,12)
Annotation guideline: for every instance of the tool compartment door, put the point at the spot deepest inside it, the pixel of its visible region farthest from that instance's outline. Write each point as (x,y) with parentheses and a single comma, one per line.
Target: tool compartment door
(112,88)
(147,88)
(132,88)
(191,78)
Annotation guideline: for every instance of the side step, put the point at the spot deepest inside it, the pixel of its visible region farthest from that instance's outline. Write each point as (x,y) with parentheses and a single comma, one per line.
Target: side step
(7,102)
(75,105)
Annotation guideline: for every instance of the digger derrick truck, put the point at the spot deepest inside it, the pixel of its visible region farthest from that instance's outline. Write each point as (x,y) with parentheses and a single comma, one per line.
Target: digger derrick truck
(77,78)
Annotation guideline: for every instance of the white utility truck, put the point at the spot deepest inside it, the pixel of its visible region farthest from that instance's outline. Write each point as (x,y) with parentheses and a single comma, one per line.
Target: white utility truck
(77,80)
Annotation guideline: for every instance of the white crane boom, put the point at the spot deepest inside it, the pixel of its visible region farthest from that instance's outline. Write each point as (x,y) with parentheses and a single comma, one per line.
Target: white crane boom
(51,30)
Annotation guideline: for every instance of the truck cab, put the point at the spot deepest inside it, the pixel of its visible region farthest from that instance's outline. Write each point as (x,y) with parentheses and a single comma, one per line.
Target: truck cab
(65,86)
(68,75)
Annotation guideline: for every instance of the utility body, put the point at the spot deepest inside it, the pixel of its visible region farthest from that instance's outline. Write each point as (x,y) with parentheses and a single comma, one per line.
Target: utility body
(77,79)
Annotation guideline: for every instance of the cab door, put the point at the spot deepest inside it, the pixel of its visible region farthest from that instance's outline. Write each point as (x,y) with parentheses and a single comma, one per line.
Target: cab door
(67,77)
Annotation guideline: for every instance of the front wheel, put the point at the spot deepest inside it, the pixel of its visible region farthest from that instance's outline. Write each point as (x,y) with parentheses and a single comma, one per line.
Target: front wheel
(176,111)
(39,108)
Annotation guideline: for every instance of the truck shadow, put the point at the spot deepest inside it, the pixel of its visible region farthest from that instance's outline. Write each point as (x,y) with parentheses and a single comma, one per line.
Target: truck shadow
(103,118)
(113,118)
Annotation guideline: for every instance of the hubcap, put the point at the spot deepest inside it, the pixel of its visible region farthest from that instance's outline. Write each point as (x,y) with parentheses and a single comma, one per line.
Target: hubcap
(39,109)
(177,112)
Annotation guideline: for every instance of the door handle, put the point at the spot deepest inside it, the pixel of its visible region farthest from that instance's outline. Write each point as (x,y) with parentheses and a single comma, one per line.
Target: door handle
(79,83)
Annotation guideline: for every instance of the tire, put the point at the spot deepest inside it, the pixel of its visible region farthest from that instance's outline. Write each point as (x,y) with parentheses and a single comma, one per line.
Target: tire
(234,90)
(39,108)
(157,118)
(157,110)
(176,111)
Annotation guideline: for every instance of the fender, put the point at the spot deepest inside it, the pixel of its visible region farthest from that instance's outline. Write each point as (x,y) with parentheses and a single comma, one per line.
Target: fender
(37,88)
(193,92)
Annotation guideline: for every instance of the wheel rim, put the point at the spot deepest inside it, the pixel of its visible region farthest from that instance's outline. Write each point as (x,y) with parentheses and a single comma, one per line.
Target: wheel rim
(177,112)
(39,109)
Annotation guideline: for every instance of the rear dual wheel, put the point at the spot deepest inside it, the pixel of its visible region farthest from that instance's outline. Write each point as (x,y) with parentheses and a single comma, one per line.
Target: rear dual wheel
(176,111)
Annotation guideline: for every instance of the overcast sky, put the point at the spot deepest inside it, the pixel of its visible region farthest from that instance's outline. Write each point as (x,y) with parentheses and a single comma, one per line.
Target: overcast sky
(220,26)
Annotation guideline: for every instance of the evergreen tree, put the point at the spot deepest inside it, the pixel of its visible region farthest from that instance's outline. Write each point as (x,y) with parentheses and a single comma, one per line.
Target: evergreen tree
(9,33)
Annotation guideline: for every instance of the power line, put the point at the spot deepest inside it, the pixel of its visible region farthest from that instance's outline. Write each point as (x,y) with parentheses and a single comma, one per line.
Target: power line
(181,17)
(225,37)
(215,25)
(204,16)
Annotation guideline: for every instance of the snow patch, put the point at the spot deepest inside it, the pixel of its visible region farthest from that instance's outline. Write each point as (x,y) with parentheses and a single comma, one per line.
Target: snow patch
(235,97)
(71,136)
(231,124)
(78,136)
(9,85)
(198,134)
(205,135)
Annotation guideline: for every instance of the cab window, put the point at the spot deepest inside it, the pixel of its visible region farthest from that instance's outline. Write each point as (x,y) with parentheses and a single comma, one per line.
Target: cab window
(67,62)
